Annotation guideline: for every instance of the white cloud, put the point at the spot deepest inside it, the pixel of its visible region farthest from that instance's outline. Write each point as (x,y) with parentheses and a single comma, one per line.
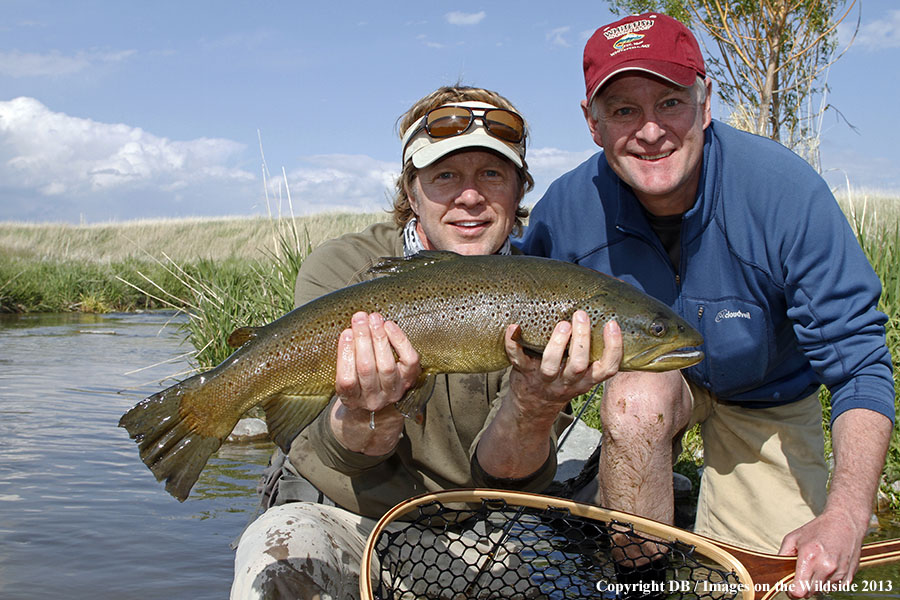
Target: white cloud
(424,39)
(56,166)
(557,37)
(461,18)
(51,155)
(881,34)
(843,166)
(553,162)
(340,182)
(54,64)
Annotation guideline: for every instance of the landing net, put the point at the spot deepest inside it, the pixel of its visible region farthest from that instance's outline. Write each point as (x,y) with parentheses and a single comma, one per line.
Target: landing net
(496,549)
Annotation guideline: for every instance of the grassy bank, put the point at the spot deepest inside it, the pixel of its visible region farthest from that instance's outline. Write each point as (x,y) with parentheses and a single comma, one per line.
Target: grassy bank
(58,267)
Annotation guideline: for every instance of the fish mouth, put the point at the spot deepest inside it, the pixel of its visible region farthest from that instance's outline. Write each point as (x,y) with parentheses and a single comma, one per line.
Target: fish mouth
(656,360)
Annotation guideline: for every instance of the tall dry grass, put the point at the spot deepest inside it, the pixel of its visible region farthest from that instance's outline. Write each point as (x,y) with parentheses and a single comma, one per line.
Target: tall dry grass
(183,240)
(58,267)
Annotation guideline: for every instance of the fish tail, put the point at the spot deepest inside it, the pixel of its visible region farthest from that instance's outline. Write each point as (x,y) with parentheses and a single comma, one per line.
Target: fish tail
(168,445)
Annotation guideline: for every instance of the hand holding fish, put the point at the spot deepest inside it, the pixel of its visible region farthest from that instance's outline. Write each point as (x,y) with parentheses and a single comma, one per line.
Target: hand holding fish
(517,442)
(370,379)
(565,369)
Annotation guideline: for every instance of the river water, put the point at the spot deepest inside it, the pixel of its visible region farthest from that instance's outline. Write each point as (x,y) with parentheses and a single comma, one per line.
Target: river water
(80,515)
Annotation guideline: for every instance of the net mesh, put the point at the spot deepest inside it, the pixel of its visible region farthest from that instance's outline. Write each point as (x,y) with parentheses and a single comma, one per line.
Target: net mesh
(498,550)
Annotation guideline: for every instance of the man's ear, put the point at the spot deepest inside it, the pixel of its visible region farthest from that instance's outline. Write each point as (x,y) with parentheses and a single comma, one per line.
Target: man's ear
(591,123)
(707,106)
(411,198)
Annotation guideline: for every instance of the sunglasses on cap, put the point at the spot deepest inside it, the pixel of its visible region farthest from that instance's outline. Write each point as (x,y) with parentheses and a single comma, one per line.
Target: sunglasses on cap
(449,121)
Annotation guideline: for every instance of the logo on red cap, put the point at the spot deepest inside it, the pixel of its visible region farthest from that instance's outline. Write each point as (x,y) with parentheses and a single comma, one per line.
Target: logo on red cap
(641,25)
(627,40)
(627,34)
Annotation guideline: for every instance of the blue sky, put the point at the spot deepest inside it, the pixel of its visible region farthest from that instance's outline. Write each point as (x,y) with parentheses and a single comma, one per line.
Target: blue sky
(120,110)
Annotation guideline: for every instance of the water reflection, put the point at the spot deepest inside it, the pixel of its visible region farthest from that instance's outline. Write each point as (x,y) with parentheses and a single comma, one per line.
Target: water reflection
(80,515)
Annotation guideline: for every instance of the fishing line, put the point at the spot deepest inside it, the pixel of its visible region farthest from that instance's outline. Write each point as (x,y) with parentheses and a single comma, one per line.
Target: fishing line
(577,417)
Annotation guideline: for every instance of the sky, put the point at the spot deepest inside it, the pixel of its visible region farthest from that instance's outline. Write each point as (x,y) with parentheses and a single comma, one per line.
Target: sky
(118,110)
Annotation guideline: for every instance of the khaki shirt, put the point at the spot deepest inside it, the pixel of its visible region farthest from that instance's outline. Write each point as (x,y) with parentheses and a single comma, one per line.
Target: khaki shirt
(436,450)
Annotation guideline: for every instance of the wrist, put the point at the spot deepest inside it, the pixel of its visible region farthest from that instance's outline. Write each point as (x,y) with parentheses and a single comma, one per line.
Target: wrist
(530,412)
(857,510)
(353,428)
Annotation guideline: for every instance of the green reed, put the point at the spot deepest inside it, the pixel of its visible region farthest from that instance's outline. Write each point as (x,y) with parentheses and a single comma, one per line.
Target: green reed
(219,297)
(876,222)
(29,285)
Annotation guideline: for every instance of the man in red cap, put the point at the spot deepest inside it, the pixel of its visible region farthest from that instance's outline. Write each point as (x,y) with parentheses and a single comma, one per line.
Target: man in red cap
(743,239)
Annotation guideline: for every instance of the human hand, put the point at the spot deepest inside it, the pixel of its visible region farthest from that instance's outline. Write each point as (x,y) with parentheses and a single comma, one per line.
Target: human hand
(827,550)
(368,376)
(546,384)
(369,379)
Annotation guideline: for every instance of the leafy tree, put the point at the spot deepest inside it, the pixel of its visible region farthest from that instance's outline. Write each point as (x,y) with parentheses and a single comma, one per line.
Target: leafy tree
(771,60)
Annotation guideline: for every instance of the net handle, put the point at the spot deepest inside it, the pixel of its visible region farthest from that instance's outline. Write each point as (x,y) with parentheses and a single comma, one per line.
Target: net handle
(773,572)
(642,525)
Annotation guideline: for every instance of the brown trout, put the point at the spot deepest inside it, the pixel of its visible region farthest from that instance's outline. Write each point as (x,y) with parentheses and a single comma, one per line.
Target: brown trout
(454,310)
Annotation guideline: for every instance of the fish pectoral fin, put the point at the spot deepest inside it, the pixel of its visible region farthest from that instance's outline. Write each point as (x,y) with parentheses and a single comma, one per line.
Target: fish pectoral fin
(287,415)
(400,264)
(241,336)
(530,349)
(413,402)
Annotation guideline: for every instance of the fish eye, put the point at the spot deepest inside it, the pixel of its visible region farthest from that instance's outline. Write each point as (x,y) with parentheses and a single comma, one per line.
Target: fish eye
(658,328)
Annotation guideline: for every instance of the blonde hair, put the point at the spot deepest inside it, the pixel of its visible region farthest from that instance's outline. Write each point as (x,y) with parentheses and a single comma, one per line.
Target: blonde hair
(402,210)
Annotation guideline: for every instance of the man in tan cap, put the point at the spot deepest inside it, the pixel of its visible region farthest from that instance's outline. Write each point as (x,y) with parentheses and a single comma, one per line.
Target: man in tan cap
(463,179)
(744,240)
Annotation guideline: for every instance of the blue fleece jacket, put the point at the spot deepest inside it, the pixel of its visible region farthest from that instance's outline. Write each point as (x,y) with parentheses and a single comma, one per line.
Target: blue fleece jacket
(771,273)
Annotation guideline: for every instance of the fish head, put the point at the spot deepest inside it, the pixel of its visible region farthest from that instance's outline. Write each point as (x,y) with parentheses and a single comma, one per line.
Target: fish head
(654,337)
(659,342)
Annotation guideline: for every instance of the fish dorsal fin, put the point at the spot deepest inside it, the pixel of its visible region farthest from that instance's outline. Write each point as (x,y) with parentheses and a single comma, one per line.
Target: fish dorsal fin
(287,415)
(413,402)
(400,264)
(241,336)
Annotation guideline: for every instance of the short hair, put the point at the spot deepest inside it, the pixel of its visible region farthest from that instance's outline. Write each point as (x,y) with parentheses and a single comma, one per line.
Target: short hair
(402,210)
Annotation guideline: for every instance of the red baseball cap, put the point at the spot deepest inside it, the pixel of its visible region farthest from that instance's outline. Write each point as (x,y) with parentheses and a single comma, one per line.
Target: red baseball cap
(651,42)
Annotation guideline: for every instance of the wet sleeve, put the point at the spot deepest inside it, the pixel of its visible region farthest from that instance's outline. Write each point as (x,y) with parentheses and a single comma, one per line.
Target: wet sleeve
(328,268)
(333,265)
(344,261)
